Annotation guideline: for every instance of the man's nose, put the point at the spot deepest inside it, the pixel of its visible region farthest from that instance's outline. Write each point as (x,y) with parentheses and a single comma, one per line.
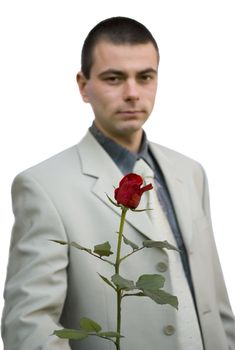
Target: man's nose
(131,90)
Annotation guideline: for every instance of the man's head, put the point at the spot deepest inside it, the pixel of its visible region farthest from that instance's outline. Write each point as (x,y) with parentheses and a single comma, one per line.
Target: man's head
(119,78)
(116,30)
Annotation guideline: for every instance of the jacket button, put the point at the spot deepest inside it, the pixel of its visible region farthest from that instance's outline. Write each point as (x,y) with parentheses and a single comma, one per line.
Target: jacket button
(162,267)
(169,330)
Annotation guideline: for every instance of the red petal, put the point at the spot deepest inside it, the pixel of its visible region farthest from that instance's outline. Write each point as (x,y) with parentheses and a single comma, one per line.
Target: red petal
(131,177)
(146,188)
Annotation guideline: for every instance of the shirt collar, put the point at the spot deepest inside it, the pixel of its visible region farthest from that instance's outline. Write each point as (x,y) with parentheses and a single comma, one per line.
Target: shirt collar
(122,157)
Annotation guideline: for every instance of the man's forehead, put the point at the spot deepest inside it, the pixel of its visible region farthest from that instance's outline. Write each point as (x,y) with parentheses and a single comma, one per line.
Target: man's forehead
(108,55)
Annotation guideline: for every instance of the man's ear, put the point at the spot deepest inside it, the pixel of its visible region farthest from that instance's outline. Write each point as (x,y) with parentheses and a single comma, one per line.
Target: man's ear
(82,84)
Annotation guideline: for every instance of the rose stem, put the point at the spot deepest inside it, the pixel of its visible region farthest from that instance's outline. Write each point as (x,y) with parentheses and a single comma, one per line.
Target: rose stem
(117,264)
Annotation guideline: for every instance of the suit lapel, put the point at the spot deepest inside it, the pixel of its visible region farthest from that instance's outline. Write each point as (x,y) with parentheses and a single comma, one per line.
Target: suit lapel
(97,163)
(179,190)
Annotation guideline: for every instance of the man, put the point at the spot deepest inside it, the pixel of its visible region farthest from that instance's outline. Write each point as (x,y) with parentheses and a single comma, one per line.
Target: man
(50,286)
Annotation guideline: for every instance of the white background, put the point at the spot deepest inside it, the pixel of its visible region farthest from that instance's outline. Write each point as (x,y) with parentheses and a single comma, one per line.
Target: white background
(42,113)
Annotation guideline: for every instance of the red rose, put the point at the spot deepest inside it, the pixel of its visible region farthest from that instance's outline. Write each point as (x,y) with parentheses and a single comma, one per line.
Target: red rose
(129,191)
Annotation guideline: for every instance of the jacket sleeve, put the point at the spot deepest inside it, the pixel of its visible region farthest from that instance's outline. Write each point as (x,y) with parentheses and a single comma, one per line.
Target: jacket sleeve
(226,314)
(36,281)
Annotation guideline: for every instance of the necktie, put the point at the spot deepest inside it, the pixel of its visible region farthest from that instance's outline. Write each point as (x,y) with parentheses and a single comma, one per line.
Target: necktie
(150,200)
(153,199)
(186,317)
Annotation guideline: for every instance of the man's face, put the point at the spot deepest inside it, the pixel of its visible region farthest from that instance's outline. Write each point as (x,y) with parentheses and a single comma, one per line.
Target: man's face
(122,86)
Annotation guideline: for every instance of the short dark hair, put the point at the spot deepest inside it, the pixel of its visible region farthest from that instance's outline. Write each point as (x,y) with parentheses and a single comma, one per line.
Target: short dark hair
(117,30)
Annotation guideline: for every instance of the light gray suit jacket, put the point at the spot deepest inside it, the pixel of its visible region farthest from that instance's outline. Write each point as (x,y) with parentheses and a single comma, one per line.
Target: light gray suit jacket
(49,285)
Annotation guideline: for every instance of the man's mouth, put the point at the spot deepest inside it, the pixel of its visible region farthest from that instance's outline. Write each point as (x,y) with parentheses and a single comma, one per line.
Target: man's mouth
(130,112)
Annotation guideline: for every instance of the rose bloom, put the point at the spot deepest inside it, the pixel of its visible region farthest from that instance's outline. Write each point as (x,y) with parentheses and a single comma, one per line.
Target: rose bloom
(130,191)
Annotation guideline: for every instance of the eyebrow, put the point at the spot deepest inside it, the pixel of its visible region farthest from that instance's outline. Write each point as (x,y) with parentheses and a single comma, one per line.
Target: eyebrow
(119,72)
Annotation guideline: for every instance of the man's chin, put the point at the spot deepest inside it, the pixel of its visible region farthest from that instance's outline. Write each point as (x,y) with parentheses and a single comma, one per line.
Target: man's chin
(130,126)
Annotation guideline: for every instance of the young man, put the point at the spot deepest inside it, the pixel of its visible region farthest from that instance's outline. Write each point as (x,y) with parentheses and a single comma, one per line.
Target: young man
(50,286)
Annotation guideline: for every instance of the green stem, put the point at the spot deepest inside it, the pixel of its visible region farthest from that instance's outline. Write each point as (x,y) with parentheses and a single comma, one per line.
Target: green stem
(119,297)
(117,264)
(133,252)
(123,216)
(100,257)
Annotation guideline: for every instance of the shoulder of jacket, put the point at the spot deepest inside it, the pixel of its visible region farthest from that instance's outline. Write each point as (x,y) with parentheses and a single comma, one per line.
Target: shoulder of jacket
(53,166)
(174,155)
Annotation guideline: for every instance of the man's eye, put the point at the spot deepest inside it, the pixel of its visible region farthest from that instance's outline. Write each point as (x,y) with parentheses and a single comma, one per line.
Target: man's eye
(146,77)
(113,79)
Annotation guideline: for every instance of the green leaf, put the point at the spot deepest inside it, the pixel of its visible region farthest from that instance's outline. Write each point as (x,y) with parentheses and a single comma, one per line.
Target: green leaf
(139,294)
(103,249)
(89,325)
(131,244)
(150,282)
(71,334)
(105,279)
(58,241)
(159,244)
(140,210)
(72,244)
(122,283)
(78,246)
(110,334)
(162,297)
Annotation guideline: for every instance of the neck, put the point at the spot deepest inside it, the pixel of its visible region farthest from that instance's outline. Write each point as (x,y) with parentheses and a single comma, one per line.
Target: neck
(130,142)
